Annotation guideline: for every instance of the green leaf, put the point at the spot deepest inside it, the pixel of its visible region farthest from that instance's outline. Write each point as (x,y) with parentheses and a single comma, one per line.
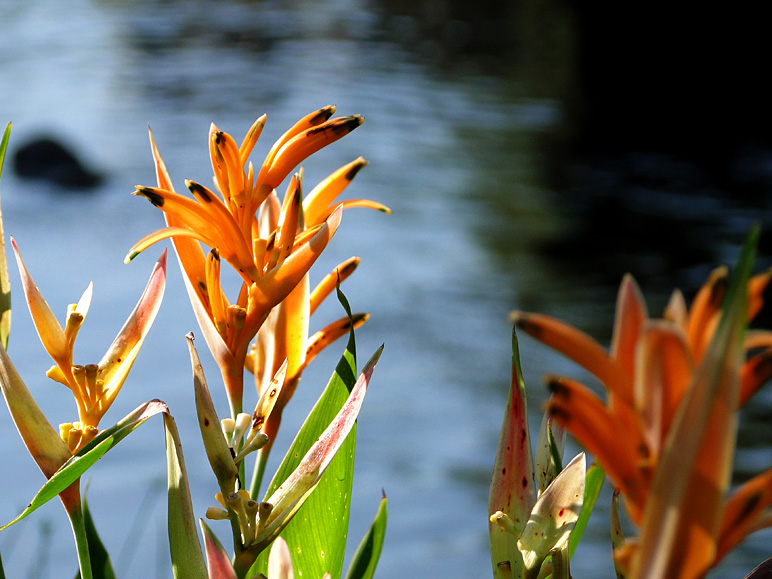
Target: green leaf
(2,573)
(5,284)
(317,534)
(89,454)
(101,567)
(186,555)
(369,550)
(593,482)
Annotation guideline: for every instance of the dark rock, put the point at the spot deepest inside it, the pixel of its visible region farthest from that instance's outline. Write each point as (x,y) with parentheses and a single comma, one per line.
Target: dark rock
(47,159)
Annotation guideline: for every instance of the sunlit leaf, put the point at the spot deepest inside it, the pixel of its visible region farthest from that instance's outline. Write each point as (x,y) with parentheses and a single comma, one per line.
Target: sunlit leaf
(592,486)
(367,554)
(187,558)
(101,567)
(321,526)
(89,454)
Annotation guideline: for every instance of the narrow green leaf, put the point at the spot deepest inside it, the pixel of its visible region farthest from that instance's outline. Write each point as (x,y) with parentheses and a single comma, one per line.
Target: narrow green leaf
(369,551)
(101,567)
(317,533)
(5,284)
(187,558)
(89,454)
(592,484)
(2,572)
(219,563)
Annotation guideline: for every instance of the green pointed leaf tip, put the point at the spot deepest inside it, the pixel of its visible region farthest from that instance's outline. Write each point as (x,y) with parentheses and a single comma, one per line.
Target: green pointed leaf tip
(85,458)
(185,550)
(554,515)
(5,283)
(217,559)
(369,551)
(513,487)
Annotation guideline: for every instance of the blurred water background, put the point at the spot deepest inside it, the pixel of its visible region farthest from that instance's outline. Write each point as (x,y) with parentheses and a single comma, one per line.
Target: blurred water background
(532,153)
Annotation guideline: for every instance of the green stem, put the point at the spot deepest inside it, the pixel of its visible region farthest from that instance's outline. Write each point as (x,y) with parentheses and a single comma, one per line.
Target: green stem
(257,474)
(81,542)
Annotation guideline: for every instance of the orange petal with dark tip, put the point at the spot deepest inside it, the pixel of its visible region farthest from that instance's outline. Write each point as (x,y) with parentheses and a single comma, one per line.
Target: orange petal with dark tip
(303,145)
(311,120)
(629,318)
(250,139)
(331,332)
(580,348)
(703,310)
(325,287)
(755,373)
(742,511)
(757,285)
(584,415)
(351,203)
(317,202)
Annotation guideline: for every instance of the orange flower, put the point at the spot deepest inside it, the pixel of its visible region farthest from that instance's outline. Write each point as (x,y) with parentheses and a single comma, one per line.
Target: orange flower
(271,246)
(665,380)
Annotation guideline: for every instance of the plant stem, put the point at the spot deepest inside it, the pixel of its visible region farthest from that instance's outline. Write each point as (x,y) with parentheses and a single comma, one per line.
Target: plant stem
(81,542)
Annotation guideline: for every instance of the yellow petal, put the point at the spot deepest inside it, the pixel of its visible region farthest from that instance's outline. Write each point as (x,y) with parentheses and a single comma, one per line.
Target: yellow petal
(742,510)
(46,324)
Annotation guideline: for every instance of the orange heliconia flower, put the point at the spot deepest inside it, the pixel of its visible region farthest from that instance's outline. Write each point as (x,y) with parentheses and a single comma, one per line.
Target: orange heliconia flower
(270,245)
(651,369)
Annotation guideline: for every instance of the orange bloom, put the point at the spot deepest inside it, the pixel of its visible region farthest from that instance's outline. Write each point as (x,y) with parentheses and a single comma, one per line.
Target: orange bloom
(653,373)
(270,245)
